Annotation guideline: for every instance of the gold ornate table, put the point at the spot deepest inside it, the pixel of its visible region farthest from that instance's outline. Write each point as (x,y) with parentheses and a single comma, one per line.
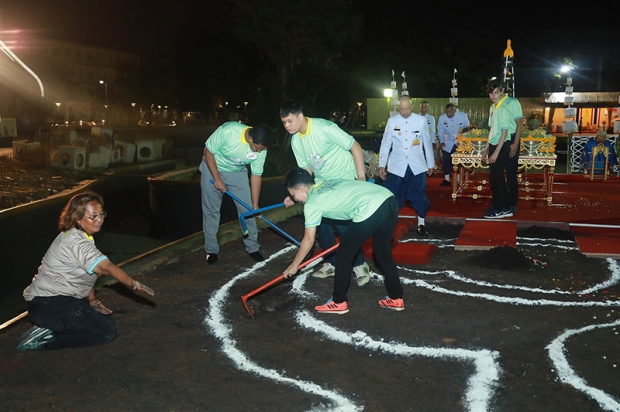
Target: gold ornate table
(463,165)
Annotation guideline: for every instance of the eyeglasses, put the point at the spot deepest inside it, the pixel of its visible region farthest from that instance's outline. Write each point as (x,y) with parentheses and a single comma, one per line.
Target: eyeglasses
(100,216)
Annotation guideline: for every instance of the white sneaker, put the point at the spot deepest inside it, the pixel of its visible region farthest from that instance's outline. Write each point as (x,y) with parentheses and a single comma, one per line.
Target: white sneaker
(326,271)
(362,274)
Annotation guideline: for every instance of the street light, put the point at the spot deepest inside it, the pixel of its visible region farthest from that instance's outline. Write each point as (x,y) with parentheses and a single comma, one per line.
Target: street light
(105,84)
(58,111)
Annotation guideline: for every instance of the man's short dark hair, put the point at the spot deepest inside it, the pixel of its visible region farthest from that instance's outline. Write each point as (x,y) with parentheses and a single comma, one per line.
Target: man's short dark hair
(291,107)
(261,134)
(449,105)
(495,83)
(297,176)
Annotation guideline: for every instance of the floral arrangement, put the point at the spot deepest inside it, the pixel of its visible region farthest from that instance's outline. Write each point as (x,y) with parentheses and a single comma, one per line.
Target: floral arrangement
(477,133)
(538,141)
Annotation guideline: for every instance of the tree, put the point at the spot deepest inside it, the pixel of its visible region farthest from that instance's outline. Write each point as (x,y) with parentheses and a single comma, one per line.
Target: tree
(295,35)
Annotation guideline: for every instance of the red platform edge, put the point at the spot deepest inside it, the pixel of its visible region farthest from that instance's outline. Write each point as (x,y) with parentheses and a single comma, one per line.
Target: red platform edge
(404,253)
(597,241)
(486,234)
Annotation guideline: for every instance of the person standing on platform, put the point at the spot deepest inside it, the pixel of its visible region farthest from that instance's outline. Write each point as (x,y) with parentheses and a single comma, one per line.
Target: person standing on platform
(497,149)
(328,153)
(449,125)
(430,120)
(227,153)
(407,144)
(512,163)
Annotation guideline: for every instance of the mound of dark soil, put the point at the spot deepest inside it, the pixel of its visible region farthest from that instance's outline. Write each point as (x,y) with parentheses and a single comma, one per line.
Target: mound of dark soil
(502,258)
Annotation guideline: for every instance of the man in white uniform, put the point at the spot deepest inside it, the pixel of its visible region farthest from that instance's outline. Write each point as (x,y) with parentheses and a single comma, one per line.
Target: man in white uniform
(449,125)
(410,161)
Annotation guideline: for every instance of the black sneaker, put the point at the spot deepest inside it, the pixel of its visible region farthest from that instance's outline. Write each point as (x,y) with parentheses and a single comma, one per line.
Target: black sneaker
(257,256)
(495,214)
(422,231)
(445,183)
(212,258)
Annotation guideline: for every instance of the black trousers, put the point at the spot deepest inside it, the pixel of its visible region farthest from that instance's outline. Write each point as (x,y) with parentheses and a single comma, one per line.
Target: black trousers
(497,179)
(381,227)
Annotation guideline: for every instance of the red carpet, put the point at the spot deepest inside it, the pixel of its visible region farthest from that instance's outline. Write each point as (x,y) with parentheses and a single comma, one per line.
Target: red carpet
(487,234)
(600,242)
(593,205)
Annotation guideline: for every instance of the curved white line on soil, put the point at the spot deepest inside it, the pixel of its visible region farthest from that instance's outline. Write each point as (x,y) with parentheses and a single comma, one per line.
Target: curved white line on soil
(452,274)
(501,299)
(613,280)
(222,330)
(479,391)
(566,374)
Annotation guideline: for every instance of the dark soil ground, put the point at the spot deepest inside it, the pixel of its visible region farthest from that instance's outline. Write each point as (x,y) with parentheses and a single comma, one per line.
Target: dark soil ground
(24,182)
(499,330)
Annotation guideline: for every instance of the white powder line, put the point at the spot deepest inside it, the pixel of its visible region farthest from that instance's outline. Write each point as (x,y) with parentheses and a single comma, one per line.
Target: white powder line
(594,225)
(222,330)
(501,299)
(480,384)
(548,245)
(548,240)
(566,374)
(613,280)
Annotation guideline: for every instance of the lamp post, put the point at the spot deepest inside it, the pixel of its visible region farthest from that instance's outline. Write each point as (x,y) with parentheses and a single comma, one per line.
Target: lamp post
(105,85)
(58,111)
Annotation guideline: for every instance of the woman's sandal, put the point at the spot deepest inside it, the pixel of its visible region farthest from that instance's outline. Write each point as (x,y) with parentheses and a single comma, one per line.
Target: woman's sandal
(422,231)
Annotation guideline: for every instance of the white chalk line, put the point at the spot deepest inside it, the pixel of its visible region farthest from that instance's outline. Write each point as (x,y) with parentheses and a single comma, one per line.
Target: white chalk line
(477,399)
(566,374)
(222,330)
(613,280)
(480,384)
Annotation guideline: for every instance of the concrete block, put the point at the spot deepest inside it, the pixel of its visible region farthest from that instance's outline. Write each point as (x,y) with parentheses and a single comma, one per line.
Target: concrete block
(93,160)
(23,148)
(71,157)
(128,150)
(115,155)
(105,154)
(145,150)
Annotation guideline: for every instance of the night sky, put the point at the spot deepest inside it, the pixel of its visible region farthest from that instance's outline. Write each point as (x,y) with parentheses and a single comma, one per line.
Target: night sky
(540,35)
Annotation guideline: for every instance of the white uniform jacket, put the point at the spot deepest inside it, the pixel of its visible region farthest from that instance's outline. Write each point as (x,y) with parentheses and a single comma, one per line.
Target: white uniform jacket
(410,145)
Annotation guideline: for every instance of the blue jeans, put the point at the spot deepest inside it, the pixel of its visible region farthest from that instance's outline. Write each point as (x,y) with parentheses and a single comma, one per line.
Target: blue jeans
(74,322)
(380,225)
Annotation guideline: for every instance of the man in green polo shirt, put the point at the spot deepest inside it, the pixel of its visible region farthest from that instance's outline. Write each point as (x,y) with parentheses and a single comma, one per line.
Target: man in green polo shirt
(497,149)
(372,211)
(227,153)
(329,153)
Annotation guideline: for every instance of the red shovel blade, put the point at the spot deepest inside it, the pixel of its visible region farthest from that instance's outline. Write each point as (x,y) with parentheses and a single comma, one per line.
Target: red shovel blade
(272,282)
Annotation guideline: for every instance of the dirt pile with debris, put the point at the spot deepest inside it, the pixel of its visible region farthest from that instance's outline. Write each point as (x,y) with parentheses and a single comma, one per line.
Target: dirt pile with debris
(22,182)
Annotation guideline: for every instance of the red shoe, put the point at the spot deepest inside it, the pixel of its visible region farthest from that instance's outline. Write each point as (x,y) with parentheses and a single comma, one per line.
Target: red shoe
(394,304)
(333,307)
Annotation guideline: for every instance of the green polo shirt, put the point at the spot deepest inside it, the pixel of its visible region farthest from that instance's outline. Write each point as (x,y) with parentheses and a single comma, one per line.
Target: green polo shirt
(232,153)
(500,119)
(516,112)
(343,200)
(324,148)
